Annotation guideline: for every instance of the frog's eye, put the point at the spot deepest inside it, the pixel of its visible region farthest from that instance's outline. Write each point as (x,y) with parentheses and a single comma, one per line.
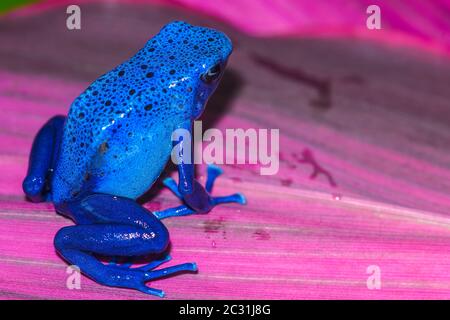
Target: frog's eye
(212,74)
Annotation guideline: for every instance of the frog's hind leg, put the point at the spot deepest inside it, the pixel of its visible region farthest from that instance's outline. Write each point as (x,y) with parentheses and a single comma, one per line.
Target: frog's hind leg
(115,226)
(42,159)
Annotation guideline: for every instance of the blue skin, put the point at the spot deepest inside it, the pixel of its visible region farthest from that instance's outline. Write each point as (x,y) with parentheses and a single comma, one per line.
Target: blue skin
(113,145)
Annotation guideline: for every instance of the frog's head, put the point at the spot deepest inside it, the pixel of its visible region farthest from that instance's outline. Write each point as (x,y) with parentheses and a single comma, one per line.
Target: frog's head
(194,60)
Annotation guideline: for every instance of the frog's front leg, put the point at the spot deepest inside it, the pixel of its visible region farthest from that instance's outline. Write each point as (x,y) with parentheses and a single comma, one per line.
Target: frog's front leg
(114,226)
(42,159)
(197,198)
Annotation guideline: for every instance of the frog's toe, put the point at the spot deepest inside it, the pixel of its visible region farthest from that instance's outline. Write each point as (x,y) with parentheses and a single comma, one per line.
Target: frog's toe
(240,198)
(164,272)
(213,172)
(33,187)
(136,278)
(156,263)
(234,198)
(152,291)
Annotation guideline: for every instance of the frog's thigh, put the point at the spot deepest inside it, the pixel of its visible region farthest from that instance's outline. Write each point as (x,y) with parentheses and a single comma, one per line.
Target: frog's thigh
(110,226)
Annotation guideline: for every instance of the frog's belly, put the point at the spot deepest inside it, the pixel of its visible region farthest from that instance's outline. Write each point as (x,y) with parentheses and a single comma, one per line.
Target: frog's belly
(130,170)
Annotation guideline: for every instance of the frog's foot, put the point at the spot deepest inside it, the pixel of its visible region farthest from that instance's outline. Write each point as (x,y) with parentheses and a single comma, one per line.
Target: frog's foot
(135,278)
(183,210)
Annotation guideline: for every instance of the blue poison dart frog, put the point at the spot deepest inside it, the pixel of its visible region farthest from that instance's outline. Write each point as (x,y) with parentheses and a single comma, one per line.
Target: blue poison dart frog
(113,145)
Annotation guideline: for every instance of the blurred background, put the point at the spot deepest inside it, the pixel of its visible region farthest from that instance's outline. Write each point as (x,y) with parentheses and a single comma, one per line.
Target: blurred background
(364,119)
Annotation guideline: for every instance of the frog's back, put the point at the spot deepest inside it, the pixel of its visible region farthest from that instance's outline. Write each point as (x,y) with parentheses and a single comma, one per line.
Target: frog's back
(117,136)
